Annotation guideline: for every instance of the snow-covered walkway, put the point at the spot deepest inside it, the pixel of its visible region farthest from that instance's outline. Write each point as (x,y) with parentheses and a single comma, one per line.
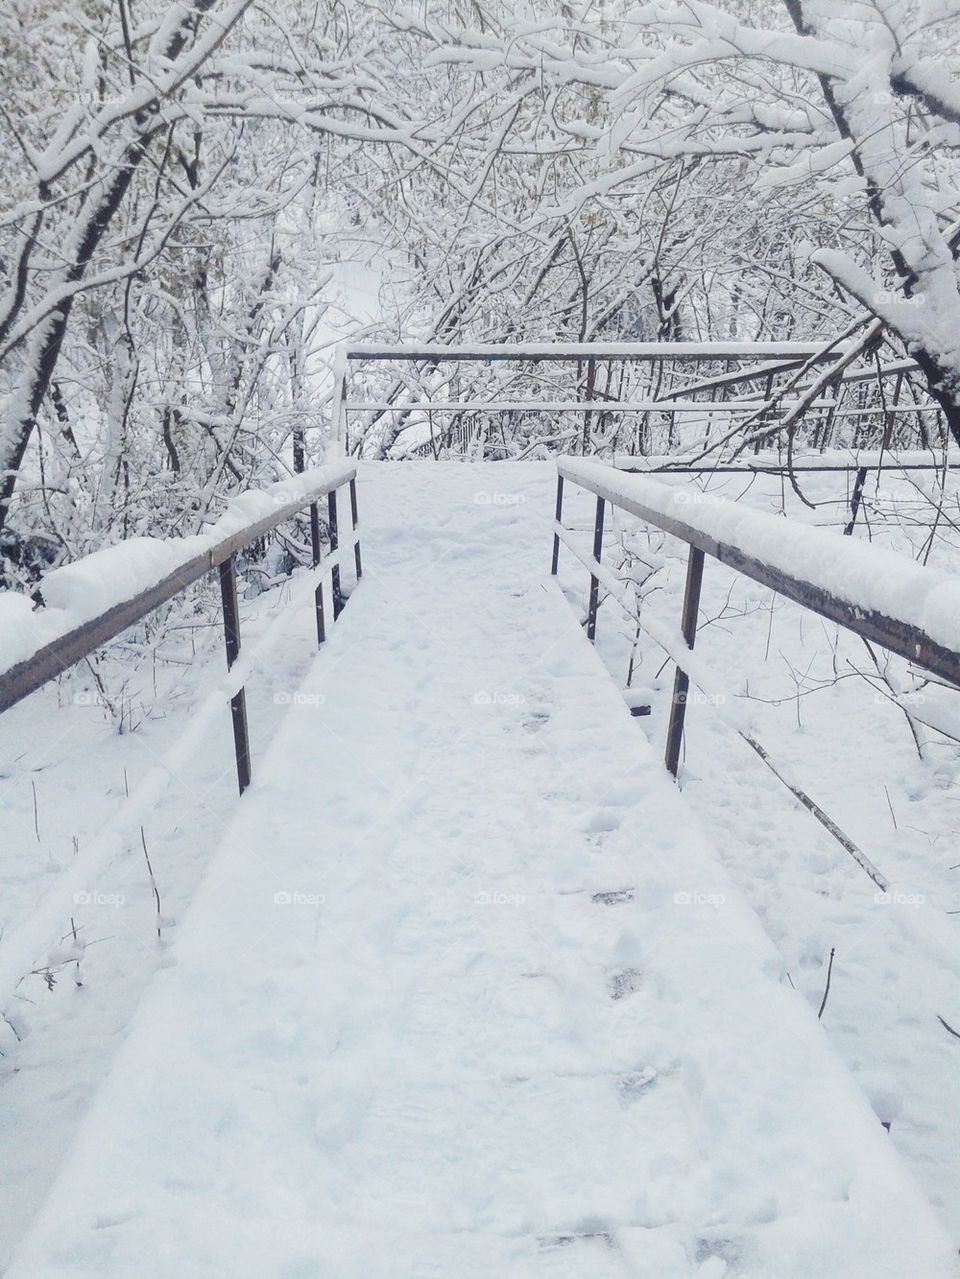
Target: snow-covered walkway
(466,992)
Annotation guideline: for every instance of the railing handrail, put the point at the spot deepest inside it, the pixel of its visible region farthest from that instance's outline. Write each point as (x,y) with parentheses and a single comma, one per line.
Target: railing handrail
(658,505)
(751,549)
(693,407)
(52,658)
(717,350)
(837,461)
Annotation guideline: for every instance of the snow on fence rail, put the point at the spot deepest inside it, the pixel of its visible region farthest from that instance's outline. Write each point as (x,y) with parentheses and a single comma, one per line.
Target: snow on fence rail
(840,460)
(758,361)
(686,351)
(879,594)
(90,602)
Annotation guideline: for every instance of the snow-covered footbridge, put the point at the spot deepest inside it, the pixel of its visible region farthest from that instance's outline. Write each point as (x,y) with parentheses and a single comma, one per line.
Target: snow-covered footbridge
(466,991)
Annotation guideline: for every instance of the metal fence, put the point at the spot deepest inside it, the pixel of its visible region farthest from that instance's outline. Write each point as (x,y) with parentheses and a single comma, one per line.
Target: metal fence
(645,498)
(51,660)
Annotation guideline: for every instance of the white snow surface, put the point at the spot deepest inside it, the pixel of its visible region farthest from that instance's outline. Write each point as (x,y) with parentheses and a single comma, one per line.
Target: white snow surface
(466,991)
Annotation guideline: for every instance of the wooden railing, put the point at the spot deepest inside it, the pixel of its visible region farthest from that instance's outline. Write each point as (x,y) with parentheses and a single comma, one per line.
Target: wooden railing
(880,595)
(748,393)
(51,659)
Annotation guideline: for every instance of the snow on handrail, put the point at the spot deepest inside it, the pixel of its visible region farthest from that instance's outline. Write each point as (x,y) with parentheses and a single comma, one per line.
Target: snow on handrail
(96,598)
(879,594)
(91,601)
(711,685)
(596,351)
(843,460)
(801,563)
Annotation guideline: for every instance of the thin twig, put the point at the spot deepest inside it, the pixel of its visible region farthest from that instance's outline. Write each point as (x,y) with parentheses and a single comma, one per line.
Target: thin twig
(36,811)
(156,890)
(890,806)
(826,989)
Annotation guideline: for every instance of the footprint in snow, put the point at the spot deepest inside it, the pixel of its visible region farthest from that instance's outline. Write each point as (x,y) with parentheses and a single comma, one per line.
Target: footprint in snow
(625,982)
(615,897)
(631,1087)
(601,822)
(533,723)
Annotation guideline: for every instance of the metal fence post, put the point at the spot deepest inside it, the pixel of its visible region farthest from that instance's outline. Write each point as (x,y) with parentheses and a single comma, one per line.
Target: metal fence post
(318,593)
(231,636)
(681,682)
(856,499)
(594,583)
(334,544)
(354,517)
(556,536)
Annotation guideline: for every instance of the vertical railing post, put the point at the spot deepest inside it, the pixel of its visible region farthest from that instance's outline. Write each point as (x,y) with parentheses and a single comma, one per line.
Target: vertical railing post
(556,535)
(231,635)
(681,682)
(589,393)
(594,583)
(334,544)
(355,519)
(318,593)
(339,426)
(856,499)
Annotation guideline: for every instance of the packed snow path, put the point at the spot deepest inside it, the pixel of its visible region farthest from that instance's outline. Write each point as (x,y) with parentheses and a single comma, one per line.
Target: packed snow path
(466,992)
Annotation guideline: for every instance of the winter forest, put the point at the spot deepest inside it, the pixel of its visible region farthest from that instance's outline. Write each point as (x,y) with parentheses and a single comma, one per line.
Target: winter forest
(322,324)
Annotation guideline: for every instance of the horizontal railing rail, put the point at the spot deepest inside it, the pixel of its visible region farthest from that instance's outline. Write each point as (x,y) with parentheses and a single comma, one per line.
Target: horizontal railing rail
(754,544)
(834,462)
(764,361)
(878,594)
(289,498)
(674,407)
(681,351)
(921,619)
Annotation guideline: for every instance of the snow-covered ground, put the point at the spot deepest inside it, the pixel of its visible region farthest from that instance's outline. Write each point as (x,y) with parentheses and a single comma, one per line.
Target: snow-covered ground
(463,986)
